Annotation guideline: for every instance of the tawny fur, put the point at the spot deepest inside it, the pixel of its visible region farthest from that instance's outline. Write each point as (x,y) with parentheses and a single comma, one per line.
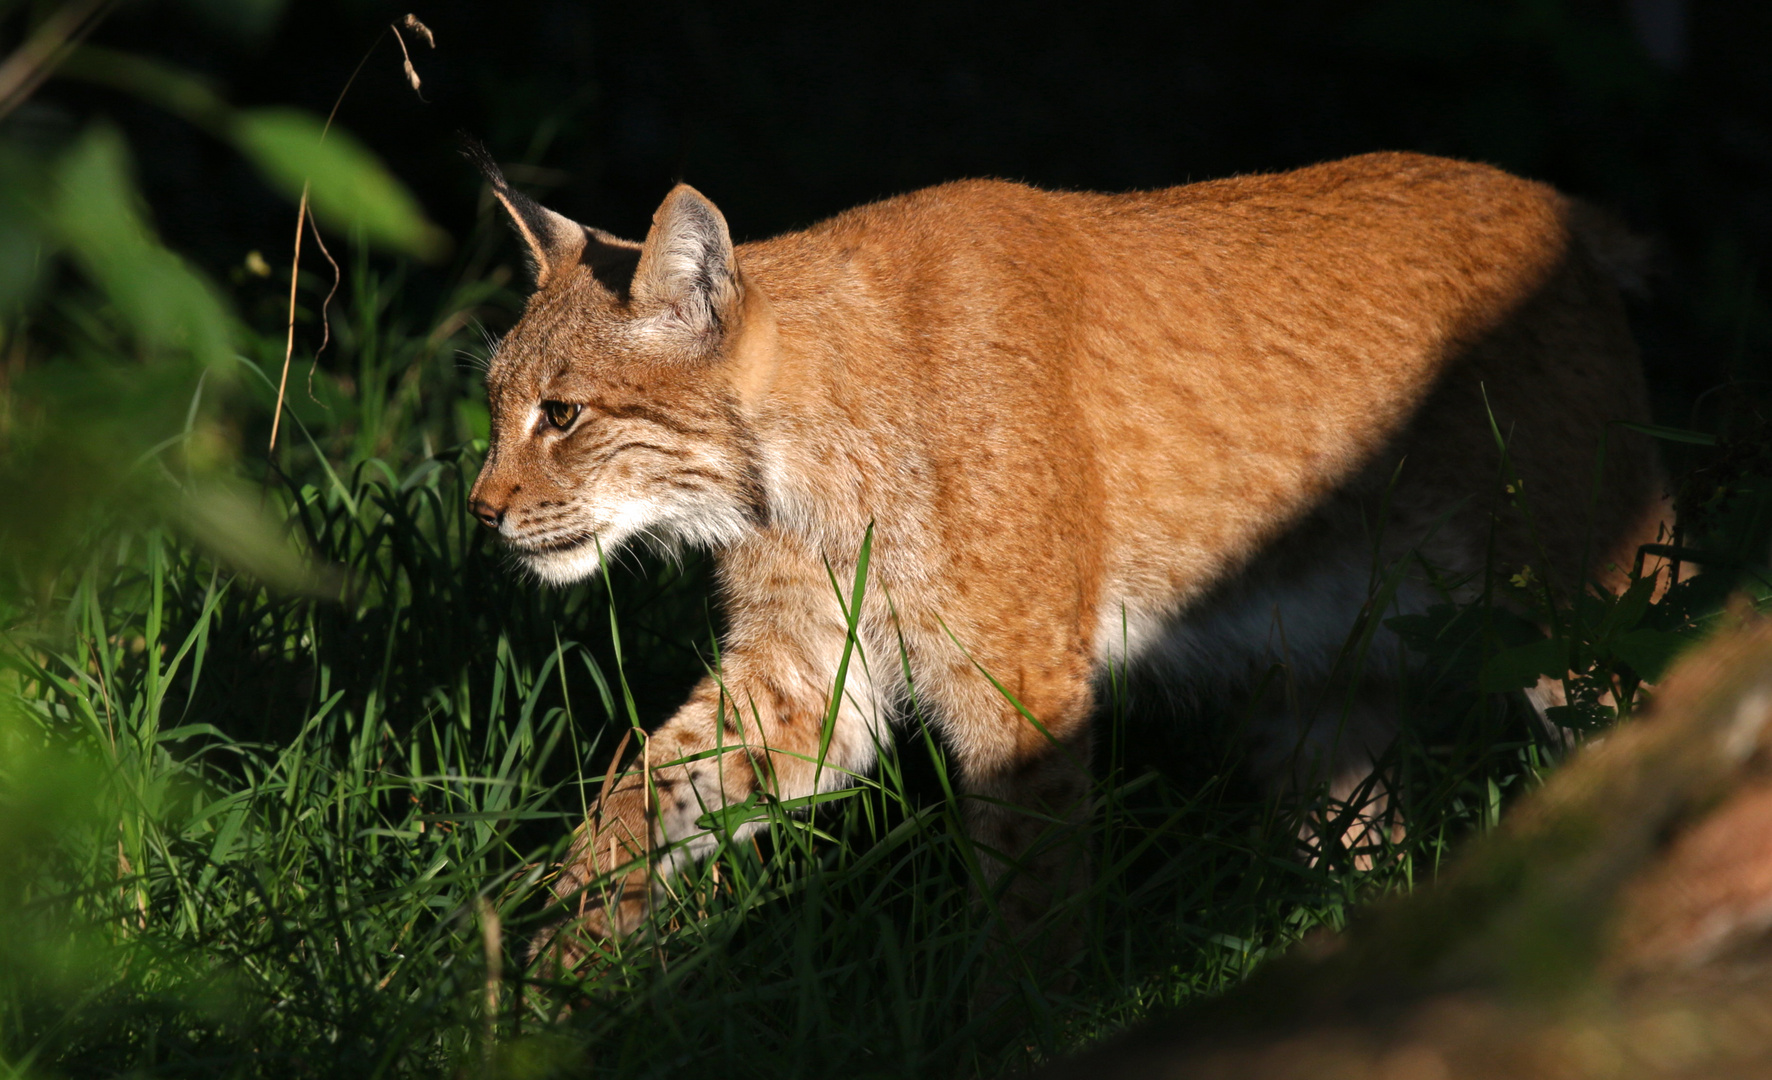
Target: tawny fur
(1084,428)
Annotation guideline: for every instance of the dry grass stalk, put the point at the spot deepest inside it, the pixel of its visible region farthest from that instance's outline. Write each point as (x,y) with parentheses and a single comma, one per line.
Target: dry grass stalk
(302,219)
(411,23)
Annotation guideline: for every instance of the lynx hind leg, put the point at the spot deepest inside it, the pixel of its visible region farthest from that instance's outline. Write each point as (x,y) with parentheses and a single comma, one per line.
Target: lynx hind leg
(1326,765)
(1028,799)
(1030,827)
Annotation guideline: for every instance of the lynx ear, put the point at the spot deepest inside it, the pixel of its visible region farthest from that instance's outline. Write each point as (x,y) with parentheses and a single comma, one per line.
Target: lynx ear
(687,270)
(555,242)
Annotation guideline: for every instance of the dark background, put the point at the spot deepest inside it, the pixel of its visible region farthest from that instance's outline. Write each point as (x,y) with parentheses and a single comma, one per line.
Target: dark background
(784,112)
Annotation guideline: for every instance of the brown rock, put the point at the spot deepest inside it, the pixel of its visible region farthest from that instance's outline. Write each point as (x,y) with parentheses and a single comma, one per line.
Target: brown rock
(1617,926)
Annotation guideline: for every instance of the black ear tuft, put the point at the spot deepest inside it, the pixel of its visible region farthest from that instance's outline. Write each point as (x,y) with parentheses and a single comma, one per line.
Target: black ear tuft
(554,241)
(475,151)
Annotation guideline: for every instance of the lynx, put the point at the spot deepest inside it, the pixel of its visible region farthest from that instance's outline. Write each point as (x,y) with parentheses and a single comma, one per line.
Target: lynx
(1080,430)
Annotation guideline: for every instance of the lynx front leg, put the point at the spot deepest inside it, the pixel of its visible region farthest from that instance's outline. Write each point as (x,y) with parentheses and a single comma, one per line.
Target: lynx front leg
(762,734)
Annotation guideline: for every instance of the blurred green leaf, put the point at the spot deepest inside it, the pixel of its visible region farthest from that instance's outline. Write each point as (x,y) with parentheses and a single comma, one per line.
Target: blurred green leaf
(167,306)
(228,519)
(348,188)
(87,428)
(22,247)
(177,91)
(23,244)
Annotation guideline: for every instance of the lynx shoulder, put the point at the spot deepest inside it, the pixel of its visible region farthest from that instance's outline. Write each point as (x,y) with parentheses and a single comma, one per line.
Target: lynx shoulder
(1082,428)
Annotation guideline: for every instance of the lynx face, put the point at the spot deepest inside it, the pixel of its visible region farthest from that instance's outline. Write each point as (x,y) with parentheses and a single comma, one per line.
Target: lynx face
(612,411)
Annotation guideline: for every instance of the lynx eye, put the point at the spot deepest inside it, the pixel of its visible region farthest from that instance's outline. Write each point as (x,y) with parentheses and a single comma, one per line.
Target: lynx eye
(559,414)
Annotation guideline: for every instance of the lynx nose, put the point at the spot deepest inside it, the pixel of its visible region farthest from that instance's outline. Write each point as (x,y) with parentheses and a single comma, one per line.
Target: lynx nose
(489,515)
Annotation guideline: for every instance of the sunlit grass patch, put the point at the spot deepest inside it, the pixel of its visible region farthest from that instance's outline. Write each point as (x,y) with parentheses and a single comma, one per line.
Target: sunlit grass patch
(295,834)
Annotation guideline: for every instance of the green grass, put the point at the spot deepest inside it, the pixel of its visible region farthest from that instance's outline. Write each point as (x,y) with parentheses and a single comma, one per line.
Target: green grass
(254,833)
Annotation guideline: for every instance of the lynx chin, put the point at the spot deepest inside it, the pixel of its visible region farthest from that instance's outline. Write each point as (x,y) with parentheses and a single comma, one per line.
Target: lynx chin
(1155,427)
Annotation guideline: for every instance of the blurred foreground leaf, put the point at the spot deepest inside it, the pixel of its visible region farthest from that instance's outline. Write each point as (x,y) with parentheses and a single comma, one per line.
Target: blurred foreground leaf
(109,406)
(348,187)
(116,413)
(164,302)
(227,517)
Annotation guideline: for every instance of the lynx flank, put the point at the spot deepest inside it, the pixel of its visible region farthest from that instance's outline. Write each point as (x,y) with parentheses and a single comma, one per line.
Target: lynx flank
(1084,428)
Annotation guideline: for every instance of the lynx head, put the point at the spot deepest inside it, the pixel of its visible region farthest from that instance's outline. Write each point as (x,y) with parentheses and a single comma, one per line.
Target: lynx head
(617,398)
